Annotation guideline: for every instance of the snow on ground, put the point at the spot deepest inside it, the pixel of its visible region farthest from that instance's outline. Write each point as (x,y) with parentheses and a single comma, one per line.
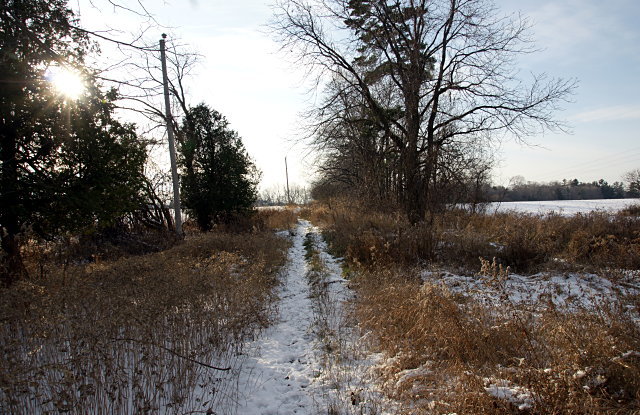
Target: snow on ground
(290,369)
(564,207)
(278,375)
(505,390)
(570,290)
(348,383)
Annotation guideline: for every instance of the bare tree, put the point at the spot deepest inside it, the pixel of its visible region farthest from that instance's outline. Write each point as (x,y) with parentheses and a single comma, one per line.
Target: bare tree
(428,72)
(633,178)
(130,64)
(277,195)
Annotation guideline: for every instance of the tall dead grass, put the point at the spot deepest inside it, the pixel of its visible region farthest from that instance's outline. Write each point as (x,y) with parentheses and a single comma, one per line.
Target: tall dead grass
(525,242)
(528,242)
(159,332)
(455,353)
(449,351)
(275,218)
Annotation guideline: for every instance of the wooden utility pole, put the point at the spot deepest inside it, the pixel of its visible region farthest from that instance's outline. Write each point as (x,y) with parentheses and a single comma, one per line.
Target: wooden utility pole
(286,170)
(172,145)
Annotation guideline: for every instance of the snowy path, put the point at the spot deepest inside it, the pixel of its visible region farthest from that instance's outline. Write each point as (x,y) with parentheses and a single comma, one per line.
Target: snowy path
(278,375)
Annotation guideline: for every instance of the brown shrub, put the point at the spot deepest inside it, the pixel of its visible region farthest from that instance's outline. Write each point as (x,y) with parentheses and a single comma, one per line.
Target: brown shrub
(525,242)
(631,210)
(426,321)
(275,219)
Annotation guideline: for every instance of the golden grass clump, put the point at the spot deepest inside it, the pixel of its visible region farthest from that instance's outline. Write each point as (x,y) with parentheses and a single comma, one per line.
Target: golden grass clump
(448,349)
(371,238)
(276,219)
(137,334)
(525,242)
(528,242)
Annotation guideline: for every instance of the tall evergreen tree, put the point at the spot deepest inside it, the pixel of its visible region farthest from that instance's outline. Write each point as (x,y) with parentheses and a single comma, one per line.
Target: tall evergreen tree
(66,165)
(219,179)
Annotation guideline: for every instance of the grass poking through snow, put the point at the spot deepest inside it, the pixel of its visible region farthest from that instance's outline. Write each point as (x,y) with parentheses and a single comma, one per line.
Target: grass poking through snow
(451,347)
(156,333)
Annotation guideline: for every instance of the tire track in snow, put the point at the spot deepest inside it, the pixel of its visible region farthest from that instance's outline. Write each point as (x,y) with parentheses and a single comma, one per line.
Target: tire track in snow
(279,373)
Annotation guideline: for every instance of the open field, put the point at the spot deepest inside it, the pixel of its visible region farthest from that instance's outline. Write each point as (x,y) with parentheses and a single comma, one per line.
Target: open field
(563,207)
(504,313)
(460,332)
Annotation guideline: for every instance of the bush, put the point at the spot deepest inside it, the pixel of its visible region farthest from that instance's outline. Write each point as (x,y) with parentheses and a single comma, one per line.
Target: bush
(220,181)
(525,242)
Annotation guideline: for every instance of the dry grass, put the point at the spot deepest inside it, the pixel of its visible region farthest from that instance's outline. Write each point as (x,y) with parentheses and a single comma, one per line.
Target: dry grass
(447,349)
(344,391)
(528,242)
(368,238)
(137,334)
(276,219)
(631,210)
(448,353)
(525,242)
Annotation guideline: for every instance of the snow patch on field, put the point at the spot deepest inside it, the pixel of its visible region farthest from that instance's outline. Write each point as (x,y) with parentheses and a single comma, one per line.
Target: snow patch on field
(563,207)
(570,290)
(505,390)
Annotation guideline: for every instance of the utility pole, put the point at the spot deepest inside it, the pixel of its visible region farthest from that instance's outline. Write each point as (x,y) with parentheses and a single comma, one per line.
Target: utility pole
(172,145)
(286,170)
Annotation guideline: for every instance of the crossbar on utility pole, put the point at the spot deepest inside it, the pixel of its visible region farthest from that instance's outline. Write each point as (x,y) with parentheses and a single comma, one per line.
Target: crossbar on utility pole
(172,145)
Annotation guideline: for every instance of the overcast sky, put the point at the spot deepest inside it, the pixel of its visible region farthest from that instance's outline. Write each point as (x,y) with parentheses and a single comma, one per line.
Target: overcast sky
(243,76)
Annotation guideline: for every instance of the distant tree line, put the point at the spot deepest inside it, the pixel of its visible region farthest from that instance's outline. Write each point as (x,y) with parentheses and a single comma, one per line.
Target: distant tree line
(521,190)
(280,195)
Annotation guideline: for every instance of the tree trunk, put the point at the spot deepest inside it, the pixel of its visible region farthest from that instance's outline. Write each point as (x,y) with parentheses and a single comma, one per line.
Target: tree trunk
(11,267)
(414,198)
(415,205)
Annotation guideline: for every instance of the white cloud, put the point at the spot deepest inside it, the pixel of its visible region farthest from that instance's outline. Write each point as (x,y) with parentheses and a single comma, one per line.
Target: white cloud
(614,113)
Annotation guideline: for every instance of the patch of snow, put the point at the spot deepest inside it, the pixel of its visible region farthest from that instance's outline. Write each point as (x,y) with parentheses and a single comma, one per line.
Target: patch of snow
(271,207)
(572,290)
(563,207)
(504,390)
(408,375)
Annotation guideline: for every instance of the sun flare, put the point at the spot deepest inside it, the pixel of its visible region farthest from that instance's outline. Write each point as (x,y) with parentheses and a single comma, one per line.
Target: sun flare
(67,82)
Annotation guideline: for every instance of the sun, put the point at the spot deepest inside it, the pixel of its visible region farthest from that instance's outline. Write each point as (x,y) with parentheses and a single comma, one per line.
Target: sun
(67,82)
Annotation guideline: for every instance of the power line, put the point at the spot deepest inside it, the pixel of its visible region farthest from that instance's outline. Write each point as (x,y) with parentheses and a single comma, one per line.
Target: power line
(593,164)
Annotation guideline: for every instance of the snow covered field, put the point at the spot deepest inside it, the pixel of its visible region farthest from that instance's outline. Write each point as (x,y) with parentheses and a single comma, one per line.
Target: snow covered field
(564,207)
(569,291)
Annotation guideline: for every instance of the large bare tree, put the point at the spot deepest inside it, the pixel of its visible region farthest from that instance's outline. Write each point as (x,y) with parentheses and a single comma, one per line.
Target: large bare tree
(427,73)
